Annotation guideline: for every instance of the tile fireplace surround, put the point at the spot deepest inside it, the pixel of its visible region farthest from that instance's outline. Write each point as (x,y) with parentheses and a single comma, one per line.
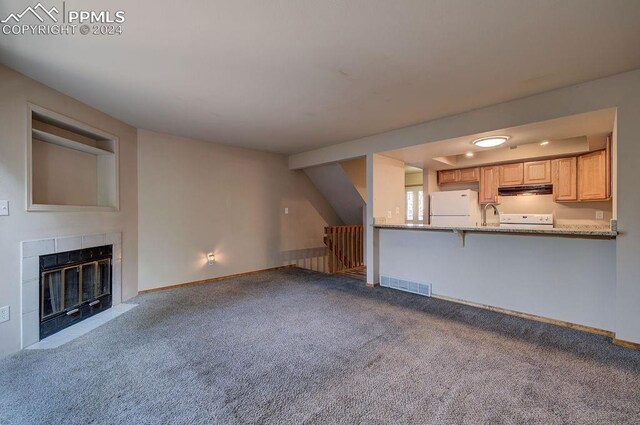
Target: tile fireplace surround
(31,252)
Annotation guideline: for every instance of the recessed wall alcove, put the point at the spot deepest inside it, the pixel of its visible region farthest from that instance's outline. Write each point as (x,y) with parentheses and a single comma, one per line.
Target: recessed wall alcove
(70,166)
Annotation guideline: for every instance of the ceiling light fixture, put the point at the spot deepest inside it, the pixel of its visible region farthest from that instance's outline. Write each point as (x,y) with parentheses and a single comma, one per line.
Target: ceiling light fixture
(469,154)
(490,142)
(544,143)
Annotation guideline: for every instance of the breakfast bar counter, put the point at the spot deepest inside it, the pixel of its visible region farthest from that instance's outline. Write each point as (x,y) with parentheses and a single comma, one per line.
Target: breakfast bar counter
(589,231)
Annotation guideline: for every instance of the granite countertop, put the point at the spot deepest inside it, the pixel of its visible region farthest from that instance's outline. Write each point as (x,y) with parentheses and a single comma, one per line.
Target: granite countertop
(562,229)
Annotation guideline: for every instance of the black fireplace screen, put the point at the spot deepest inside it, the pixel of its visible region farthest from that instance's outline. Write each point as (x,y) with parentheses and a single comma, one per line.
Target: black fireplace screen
(74,285)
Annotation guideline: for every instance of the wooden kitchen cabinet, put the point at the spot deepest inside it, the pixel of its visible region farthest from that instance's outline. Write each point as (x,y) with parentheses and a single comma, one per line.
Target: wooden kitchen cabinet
(584,177)
(464,175)
(512,174)
(537,172)
(447,176)
(565,179)
(489,182)
(469,175)
(592,176)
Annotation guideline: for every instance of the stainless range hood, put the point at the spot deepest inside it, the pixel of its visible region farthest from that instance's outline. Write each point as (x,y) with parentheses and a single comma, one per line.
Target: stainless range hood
(538,189)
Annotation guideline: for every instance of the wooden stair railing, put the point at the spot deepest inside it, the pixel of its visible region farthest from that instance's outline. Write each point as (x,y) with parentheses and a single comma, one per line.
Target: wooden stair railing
(345,247)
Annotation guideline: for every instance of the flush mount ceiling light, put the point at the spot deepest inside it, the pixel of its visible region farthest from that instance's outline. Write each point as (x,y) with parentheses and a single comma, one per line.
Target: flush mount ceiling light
(490,142)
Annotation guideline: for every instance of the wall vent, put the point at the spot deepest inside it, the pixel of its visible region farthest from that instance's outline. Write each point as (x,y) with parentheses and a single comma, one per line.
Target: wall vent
(406,285)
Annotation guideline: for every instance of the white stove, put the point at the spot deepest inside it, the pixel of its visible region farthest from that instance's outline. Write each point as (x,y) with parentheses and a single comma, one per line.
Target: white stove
(526,221)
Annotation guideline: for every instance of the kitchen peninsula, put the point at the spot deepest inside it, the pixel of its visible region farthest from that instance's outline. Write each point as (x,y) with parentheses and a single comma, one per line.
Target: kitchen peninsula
(522,220)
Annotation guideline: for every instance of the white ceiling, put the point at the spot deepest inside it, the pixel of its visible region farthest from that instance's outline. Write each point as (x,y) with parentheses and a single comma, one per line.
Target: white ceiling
(292,75)
(567,135)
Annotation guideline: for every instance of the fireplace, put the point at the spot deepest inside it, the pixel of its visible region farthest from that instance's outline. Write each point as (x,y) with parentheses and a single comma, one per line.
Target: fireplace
(74,285)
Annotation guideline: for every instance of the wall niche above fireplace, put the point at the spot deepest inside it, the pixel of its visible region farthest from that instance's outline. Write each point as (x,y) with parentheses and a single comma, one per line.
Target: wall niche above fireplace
(71,166)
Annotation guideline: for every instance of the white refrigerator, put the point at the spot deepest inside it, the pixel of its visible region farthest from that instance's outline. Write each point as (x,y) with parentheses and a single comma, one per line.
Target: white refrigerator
(454,208)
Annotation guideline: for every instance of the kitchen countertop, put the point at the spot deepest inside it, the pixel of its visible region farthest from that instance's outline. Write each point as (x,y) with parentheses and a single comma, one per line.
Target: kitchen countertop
(560,230)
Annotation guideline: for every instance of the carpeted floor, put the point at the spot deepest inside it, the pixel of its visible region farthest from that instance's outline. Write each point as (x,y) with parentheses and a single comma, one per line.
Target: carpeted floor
(299,347)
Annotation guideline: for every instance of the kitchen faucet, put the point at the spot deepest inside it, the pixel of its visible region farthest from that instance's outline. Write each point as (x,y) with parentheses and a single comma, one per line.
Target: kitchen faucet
(484,212)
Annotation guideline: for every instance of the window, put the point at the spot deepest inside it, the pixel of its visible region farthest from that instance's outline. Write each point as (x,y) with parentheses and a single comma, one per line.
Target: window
(414,204)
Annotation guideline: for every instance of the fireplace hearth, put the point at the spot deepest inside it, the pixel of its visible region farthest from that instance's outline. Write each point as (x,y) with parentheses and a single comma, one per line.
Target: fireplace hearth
(74,285)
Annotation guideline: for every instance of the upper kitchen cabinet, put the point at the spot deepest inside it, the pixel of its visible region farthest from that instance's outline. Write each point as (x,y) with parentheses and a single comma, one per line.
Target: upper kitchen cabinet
(512,174)
(469,175)
(593,179)
(585,177)
(565,177)
(447,176)
(465,175)
(489,182)
(537,172)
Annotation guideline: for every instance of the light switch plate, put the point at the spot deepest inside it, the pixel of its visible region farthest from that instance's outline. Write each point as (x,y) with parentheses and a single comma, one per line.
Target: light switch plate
(4,313)
(599,215)
(286,210)
(4,207)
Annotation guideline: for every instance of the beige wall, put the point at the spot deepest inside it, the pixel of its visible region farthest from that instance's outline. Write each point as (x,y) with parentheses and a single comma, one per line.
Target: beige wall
(413,179)
(197,197)
(356,169)
(388,190)
(55,175)
(16,91)
(431,177)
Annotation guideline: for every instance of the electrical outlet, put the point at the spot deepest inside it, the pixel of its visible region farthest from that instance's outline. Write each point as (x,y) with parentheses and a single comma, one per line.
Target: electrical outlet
(4,313)
(389,214)
(599,215)
(397,210)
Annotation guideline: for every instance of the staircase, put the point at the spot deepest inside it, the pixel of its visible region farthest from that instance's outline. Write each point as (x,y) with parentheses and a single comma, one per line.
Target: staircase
(344,186)
(345,247)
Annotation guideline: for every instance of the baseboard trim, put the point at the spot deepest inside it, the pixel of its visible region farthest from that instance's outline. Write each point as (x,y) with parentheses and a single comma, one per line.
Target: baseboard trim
(529,316)
(215,279)
(626,344)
